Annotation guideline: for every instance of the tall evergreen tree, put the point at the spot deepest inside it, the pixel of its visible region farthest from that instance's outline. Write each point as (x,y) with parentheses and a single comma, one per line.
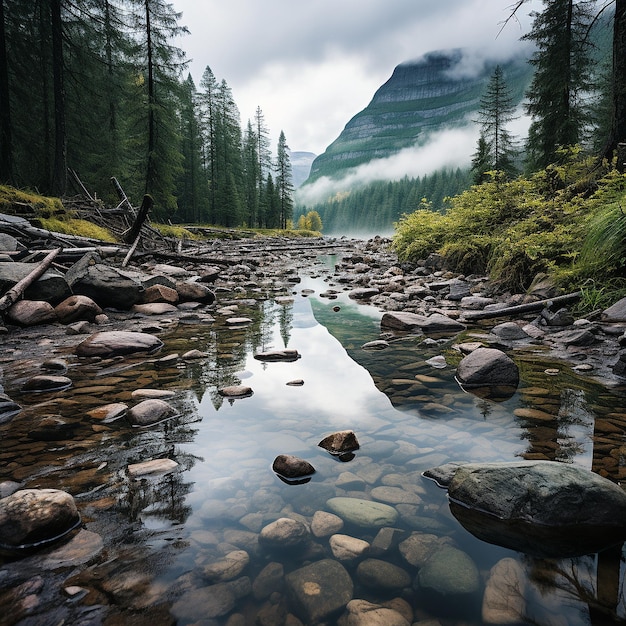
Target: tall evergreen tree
(6,144)
(563,77)
(251,177)
(284,183)
(495,145)
(208,117)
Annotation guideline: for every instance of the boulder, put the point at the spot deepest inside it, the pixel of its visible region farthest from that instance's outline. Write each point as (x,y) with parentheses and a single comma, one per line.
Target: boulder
(347,548)
(340,442)
(364,613)
(190,291)
(51,287)
(77,308)
(150,412)
(382,575)
(543,508)
(31,313)
(284,533)
(104,284)
(487,367)
(291,466)
(33,518)
(118,342)
(435,323)
(319,591)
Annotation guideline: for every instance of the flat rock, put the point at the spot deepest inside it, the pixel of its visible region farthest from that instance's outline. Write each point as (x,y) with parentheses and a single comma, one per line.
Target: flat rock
(320,590)
(278,355)
(236,391)
(227,568)
(325,524)
(363,293)
(46,383)
(364,613)
(118,342)
(378,574)
(347,548)
(151,468)
(363,513)
(449,572)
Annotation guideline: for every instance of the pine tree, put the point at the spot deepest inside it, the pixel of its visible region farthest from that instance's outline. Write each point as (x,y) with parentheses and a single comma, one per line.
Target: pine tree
(495,149)
(251,177)
(556,97)
(284,185)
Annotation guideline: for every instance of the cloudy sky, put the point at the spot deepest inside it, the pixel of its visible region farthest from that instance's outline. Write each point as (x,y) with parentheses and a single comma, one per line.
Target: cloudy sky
(312,65)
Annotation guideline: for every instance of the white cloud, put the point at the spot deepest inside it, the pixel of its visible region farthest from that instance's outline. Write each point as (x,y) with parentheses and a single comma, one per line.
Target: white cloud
(311,66)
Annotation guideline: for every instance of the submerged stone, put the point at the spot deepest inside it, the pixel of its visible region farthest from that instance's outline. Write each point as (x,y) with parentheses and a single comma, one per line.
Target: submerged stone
(150,412)
(46,383)
(364,513)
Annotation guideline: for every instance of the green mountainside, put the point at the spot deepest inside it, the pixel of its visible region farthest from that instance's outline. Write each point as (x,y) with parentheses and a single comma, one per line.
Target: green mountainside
(433,93)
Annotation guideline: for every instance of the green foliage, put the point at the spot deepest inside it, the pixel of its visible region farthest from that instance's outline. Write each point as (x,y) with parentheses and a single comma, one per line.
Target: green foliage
(43,206)
(80,228)
(550,222)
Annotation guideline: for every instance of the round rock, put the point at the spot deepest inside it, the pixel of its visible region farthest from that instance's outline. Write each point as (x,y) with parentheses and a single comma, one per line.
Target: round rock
(118,342)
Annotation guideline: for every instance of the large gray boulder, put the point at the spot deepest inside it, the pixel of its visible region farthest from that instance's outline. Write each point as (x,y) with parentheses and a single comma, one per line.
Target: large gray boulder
(118,342)
(104,284)
(543,508)
(487,367)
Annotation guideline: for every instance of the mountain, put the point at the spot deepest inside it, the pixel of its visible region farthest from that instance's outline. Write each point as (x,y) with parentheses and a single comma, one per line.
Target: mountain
(438,91)
(300,166)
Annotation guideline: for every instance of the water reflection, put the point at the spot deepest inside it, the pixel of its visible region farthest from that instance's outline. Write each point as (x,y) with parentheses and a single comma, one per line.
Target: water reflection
(408,414)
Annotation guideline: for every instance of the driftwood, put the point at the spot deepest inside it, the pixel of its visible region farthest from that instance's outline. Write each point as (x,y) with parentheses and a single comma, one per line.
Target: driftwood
(529,307)
(16,292)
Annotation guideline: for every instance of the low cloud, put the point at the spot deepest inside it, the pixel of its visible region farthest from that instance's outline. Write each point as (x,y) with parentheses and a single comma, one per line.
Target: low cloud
(445,149)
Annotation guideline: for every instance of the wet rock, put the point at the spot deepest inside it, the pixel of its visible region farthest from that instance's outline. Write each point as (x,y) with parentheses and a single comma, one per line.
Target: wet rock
(8,487)
(150,412)
(449,572)
(615,313)
(364,613)
(395,495)
(544,508)
(81,548)
(458,289)
(236,391)
(270,580)
(379,344)
(340,442)
(55,365)
(238,321)
(284,533)
(319,591)
(509,331)
(476,303)
(581,337)
(325,524)
(562,317)
(363,513)
(51,428)
(278,355)
(193,355)
(504,600)
(151,468)
(347,548)
(108,412)
(291,466)
(298,382)
(154,308)
(46,383)
(438,362)
(8,408)
(194,292)
(118,342)
(77,308)
(363,293)
(205,603)
(418,547)
(435,323)
(378,574)
(32,518)
(159,293)
(229,567)
(487,367)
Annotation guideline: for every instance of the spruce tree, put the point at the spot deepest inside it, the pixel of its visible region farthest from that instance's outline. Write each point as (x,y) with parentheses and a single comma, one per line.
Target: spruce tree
(251,177)
(284,183)
(563,76)
(495,149)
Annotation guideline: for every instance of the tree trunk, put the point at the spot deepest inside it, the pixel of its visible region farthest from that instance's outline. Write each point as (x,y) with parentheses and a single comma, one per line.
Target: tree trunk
(6,157)
(618,116)
(59,174)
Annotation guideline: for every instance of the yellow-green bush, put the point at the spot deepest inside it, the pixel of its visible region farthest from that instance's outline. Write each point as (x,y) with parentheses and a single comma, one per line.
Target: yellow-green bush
(563,221)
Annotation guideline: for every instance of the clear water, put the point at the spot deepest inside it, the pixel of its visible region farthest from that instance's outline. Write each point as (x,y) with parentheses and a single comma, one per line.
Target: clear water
(408,417)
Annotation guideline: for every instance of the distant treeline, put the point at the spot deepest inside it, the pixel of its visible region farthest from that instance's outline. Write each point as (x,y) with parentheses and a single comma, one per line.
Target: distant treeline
(376,206)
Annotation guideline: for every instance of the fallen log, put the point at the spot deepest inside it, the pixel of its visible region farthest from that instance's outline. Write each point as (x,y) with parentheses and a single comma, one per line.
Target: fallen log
(16,292)
(529,307)
(142,216)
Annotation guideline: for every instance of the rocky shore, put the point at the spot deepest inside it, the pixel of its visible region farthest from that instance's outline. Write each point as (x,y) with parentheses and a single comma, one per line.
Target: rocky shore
(91,311)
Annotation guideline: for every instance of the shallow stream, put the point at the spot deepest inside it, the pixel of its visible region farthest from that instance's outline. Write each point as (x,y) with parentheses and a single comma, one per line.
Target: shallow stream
(408,413)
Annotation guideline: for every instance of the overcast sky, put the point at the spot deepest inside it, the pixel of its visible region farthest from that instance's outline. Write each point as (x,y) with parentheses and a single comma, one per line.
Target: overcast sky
(311,65)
